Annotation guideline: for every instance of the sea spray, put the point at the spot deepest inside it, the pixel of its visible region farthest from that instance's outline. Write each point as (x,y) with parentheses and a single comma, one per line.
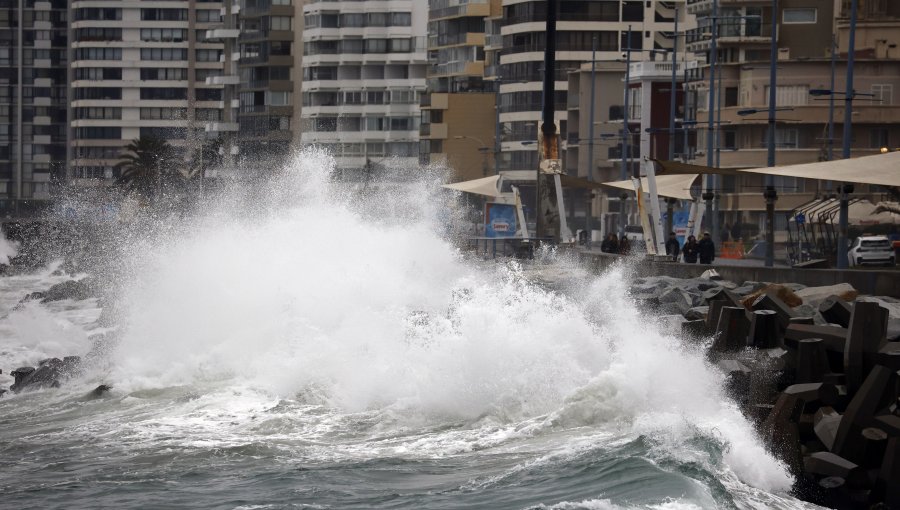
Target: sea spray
(321,335)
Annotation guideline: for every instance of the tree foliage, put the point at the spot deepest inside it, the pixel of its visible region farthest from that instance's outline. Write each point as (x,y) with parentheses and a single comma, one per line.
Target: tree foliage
(147,166)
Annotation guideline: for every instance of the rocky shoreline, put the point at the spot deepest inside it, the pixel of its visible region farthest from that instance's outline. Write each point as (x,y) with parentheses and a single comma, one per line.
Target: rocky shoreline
(815,368)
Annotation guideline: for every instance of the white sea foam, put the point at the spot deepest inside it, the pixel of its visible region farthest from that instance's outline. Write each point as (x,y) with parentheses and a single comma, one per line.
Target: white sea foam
(8,249)
(359,309)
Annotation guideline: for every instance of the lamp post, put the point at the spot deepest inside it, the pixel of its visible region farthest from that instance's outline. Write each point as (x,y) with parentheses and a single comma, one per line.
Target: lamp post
(589,210)
(770,194)
(842,246)
(672,96)
(708,195)
(626,149)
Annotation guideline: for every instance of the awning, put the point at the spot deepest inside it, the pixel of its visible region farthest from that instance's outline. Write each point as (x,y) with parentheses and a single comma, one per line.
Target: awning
(568,181)
(671,186)
(664,167)
(880,169)
(484,186)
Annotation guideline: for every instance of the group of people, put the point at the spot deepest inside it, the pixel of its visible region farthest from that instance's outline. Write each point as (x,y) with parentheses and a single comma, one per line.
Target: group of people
(704,249)
(612,244)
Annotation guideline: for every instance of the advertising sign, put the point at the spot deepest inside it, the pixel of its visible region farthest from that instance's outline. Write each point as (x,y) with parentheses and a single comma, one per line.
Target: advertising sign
(499,220)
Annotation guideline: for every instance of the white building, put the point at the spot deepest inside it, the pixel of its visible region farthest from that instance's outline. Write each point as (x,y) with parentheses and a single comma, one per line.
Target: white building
(364,69)
(140,69)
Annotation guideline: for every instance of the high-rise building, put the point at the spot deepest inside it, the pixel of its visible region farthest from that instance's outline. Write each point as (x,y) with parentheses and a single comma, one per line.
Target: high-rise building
(804,71)
(33,48)
(364,66)
(139,70)
(458,112)
(515,54)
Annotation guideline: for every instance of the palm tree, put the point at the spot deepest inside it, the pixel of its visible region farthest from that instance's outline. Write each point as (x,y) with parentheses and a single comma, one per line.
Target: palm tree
(146,163)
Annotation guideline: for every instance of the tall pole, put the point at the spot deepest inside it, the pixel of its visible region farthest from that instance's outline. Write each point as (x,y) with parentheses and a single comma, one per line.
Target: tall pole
(842,246)
(497,142)
(711,109)
(769,194)
(550,147)
(590,155)
(717,179)
(831,103)
(672,96)
(626,133)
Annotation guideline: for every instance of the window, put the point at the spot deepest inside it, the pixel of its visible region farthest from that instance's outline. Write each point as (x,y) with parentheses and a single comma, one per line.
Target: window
(166,93)
(98,113)
(151,73)
(163,54)
(163,34)
(799,15)
(208,15)
(280,23)
(98,73)
(165,14)
(208,94)
(98,132)
(789,95)
(98,93)
(208,55)
(164,133)
(883,92)
(633,11)
(163,113)
(284,98)
(879,138)
(98,54)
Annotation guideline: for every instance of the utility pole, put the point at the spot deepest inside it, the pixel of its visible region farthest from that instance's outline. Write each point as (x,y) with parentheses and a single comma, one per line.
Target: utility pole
(842,246)
(672,96)
(626,134)
(770,194)
(709,194)
(590,155)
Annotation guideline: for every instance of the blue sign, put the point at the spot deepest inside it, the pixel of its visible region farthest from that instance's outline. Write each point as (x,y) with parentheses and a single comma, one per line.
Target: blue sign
(801,218)
(499,220)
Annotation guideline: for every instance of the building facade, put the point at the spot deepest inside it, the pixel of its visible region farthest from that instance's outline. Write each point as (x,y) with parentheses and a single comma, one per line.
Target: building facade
(364,72)
(515,58)
(804,70)
(140,70)
(458,111)
(33,99)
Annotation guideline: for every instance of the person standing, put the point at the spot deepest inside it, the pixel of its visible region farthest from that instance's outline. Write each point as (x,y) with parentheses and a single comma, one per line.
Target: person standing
(691,250)
(707,249)
(673,247)
(610,244)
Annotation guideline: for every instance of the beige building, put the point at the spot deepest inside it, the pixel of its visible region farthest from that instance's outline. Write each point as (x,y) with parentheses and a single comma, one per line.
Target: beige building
(458,110)
(805,29)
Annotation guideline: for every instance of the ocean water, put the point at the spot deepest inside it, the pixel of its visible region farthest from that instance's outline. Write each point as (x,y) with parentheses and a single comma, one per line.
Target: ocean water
(317,346)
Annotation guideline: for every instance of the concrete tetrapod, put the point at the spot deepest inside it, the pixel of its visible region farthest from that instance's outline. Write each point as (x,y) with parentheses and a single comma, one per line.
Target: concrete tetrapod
(732,330)
(769,301)
(836,311)
(875,393)
(866,335)
(764,330)
(811,362)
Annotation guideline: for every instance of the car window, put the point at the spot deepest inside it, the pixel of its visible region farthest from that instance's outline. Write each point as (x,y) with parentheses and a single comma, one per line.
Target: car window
(881,243)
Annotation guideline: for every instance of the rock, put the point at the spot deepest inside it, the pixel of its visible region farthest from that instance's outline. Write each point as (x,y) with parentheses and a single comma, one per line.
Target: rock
(721,294)
(812,361)
(875,393)
(889,475)
(786,295)
(732,330)
(49,373)
(868,325)
(764,332)
(815,295)
(890,304)
(680,299)
(825,425)
(829,464)
(749,287)
(770,301)
(99,391)
(711,274)
(836,311)
(72,289)
(697,313)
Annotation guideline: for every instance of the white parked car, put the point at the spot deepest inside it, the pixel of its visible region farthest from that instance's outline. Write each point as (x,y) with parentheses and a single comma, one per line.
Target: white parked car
(871,250)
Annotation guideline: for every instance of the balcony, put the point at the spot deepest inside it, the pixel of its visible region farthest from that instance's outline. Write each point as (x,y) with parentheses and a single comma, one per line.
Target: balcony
(469,8)
(223,33)
(218,127)
(223,80)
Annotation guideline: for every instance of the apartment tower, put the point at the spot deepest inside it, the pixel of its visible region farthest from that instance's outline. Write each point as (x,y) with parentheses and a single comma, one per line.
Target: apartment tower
(33,58)
(140,69)
(364,67)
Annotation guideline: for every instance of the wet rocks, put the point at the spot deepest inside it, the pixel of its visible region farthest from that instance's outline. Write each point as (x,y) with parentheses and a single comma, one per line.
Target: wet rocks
(71,289)
(49,373)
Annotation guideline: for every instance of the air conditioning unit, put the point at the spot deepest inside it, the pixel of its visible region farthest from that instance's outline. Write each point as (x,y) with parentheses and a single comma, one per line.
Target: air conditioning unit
(784,54)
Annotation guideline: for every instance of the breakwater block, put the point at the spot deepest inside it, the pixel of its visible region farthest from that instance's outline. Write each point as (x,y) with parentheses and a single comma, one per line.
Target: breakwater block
(715,310)
(811,362)
(888,484)
(868,327)
(836,311)
(874,394)
(764,331)
(722,294)
(834,337)
(828,464)
(825,426)
(732,330)
(770,301)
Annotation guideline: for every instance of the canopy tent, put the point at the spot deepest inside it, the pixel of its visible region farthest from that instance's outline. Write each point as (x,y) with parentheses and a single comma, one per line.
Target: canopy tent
(490,186)
(484,186)
(880,169)
(863,213)
(672,186)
